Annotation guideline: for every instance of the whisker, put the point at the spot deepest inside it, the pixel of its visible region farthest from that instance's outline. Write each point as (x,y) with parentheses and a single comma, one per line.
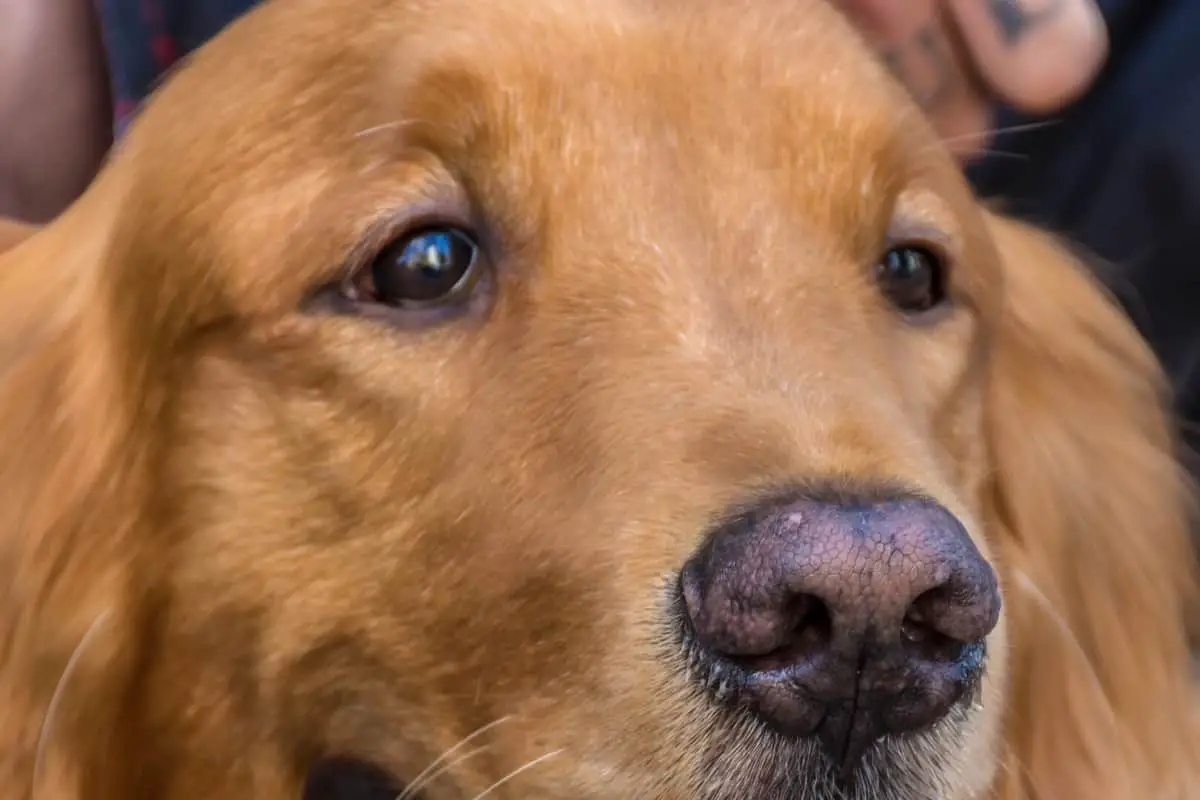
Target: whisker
(428,777)
(1043,602)
(1026,583)
(981,136)
(516,772)
(1014,766)
(424,776)
(386,126)
(1023,128)
(59,690)
(987,151)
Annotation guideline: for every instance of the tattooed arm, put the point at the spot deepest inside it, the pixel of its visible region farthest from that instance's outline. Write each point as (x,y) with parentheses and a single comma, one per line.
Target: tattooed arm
(959,58)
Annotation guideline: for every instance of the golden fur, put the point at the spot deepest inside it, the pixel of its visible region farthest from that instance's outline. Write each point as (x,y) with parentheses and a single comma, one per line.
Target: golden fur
(240,533)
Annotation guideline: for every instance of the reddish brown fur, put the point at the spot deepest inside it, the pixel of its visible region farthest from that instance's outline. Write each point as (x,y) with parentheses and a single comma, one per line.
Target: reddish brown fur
(238,536)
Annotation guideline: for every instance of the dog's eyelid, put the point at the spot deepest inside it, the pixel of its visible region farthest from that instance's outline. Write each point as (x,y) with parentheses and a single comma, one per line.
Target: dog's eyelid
(438,199)
(388,230)
(926,230)
(945,250)
(433,200)
(922,214)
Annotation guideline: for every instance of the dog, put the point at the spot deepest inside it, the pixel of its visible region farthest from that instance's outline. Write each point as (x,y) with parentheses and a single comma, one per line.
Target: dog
(610,399)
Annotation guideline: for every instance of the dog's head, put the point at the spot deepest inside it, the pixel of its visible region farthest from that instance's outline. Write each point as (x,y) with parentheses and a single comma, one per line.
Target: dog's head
(588,400)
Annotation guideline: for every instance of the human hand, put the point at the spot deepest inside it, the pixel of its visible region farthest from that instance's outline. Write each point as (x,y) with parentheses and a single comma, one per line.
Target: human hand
(960,58)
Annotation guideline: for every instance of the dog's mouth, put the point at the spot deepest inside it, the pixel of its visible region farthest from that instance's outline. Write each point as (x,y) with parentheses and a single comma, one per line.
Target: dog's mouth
(780,728)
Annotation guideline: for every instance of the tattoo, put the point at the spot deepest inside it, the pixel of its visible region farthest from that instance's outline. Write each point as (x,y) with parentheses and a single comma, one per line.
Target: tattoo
(1014,21)
(925,66)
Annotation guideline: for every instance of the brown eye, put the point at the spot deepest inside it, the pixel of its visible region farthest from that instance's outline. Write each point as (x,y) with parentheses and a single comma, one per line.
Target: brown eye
(912,278)
(432,266)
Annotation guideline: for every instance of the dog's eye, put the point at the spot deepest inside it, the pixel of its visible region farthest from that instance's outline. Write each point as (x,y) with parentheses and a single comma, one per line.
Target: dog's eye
(912,278)
(429,267)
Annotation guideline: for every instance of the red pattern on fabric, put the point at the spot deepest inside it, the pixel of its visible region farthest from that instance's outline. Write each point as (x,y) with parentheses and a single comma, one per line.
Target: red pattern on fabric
(165,50)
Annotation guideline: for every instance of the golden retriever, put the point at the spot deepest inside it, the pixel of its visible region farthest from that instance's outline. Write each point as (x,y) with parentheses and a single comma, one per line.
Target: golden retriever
(591,400)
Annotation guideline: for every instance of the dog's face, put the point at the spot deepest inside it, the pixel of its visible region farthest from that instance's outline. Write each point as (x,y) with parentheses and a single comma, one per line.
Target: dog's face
(579,401)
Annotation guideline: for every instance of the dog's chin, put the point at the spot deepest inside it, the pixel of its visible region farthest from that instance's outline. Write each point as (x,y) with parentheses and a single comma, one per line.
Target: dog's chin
(751,762)
(911,767)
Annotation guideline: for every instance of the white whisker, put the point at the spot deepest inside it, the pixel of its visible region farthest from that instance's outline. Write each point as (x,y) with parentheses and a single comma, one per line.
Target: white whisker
(987,132)
(428,777)
(987,151)
(387,126)
(516,772)
(1043,603)
(59,690)
(1047,607)
(425,775)
(979,138)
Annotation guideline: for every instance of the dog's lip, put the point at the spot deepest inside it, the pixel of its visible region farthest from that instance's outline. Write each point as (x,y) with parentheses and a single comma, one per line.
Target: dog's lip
(849,718)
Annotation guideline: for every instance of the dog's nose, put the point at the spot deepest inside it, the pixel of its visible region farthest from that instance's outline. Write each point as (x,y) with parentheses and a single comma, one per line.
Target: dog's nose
(845,618)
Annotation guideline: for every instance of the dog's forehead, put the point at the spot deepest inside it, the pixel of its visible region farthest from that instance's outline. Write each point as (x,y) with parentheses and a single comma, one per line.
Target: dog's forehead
(315,69)
(297,121)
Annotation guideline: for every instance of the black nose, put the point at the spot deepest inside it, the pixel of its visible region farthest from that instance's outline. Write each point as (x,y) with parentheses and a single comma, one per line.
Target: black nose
(841,618)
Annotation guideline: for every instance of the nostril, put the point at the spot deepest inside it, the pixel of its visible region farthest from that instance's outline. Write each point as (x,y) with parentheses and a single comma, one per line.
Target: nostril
(808,633)
(814,622)
(922,636)
(942,621)
(915,629)
(743,618)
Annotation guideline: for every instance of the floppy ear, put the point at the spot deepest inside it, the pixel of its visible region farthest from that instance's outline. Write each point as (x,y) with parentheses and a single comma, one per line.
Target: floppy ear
(1092,513)
(69,643)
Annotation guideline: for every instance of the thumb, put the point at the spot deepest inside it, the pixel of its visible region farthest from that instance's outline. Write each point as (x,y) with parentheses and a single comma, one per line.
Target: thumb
(1036,55)
(919,44)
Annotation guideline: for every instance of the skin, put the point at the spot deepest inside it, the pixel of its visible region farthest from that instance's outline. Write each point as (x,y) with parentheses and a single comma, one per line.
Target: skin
(248,523)
(55,113)
(959,58)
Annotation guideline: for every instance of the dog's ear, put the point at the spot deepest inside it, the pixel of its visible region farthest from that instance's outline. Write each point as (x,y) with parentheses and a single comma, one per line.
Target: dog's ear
(1092,513)
(69,601)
